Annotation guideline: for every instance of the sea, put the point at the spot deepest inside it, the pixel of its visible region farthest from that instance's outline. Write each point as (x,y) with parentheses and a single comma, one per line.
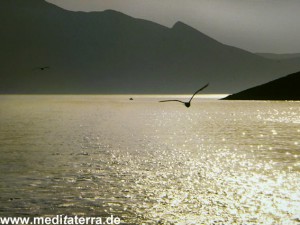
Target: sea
(147,162)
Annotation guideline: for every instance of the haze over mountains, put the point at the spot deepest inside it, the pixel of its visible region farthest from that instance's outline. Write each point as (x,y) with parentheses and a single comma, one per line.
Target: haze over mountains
(279,56)
(110,52)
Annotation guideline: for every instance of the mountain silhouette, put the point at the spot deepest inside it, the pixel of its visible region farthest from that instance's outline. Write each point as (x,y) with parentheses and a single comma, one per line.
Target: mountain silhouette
(279,56)
(285,88)
(110,52)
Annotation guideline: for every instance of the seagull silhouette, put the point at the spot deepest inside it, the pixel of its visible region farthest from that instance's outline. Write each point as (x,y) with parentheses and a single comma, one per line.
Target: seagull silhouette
(42,68)
(187,104)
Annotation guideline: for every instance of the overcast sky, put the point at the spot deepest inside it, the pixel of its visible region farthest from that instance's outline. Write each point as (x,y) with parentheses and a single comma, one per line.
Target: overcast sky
(254,25)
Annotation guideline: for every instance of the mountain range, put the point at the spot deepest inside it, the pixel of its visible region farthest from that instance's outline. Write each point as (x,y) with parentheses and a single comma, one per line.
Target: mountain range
(112,53)
(284,88)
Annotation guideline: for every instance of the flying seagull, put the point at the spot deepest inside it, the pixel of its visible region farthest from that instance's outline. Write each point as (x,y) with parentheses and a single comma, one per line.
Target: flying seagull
(42,68)
(187,104)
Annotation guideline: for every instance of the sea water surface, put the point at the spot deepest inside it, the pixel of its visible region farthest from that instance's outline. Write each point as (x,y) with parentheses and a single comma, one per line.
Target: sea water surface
(217,162)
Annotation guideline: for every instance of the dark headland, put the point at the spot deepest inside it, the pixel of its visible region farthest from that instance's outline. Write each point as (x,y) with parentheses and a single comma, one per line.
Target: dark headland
(285,88)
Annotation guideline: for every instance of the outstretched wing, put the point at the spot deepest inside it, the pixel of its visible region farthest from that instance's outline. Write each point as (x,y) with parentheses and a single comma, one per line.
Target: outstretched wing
(198,91)
(172,101)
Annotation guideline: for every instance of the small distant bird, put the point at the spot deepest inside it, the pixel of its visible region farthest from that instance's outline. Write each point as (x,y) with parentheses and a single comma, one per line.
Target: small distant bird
(131,99)
(187,104)
(43,68)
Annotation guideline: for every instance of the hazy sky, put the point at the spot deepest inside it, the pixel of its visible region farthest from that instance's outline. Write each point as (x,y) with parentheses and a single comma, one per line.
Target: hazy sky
(255,25)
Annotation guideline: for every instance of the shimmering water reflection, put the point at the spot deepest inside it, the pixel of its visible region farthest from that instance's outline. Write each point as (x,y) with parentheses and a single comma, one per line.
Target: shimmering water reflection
(218,162)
